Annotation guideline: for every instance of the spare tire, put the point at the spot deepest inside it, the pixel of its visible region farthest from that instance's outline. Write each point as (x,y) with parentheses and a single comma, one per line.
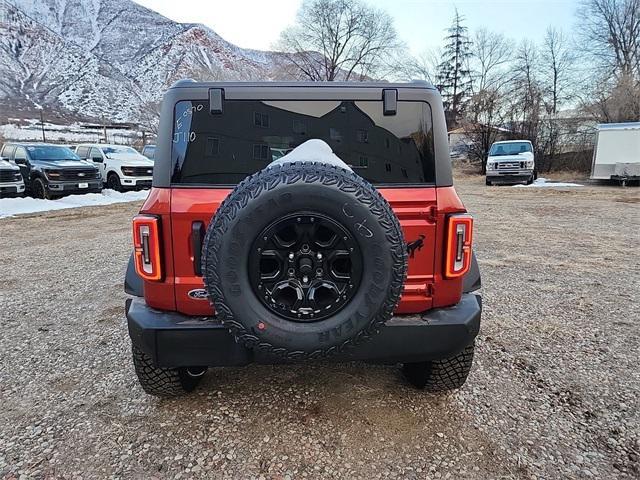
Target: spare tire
(304,259)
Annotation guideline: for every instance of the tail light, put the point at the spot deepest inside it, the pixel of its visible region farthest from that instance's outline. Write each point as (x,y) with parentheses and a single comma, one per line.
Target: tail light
(459,238)
(146,244)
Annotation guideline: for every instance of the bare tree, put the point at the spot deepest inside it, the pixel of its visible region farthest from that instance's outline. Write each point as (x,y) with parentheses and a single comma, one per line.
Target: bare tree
(491,54)
(611,34)
(611,37)
(339,40)
(557,61)
(485,112)
(525,106)
(486,116)
(149,117)
(620,103)
(420,67)
(526,92)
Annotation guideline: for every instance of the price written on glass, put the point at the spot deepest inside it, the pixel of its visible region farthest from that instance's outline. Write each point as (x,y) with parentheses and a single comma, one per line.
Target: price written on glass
(180,136)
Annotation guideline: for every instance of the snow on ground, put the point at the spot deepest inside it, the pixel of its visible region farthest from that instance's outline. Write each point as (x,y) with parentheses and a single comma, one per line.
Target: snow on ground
(31,131)
(17,206)
(543,182)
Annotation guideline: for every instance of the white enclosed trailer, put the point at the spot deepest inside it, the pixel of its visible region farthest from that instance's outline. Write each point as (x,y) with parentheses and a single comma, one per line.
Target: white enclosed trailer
(617,152)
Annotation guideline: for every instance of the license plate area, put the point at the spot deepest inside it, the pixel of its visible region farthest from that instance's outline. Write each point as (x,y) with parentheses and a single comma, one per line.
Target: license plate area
(83,185)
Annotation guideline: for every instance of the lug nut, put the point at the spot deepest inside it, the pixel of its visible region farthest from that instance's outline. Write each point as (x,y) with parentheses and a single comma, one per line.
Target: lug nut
(319,256)
(305,279)
(291,255)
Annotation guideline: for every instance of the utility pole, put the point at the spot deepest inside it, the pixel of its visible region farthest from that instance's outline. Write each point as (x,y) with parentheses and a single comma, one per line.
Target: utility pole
(44,139)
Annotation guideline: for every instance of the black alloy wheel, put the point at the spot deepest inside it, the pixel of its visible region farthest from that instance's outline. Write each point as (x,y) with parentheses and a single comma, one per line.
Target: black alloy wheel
(305,267)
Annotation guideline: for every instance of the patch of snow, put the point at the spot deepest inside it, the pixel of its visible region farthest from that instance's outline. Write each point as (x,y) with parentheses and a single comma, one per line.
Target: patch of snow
(543,182)
(17,206)
(314,150)
(31,131)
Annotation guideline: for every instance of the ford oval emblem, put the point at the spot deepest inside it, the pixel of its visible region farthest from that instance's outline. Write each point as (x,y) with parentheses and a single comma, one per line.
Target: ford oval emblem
(198,294)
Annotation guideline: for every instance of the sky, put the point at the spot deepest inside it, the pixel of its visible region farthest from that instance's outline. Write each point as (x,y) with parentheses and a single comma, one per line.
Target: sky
(420,23)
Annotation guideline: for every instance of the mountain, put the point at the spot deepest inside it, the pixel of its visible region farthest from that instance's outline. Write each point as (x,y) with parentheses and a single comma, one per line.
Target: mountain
(109,58)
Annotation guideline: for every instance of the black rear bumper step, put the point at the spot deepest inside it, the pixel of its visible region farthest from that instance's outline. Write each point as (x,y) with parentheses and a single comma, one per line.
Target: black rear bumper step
(175,340)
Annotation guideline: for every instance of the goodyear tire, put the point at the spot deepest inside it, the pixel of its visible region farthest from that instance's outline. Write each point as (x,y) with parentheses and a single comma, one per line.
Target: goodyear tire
(303,260)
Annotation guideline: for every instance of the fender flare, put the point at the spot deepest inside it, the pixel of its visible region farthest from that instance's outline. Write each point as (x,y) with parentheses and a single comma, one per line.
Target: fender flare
(471,281)
(132,281)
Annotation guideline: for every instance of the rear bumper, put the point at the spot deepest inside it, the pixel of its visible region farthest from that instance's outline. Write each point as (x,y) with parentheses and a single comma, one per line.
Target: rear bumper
(175,340)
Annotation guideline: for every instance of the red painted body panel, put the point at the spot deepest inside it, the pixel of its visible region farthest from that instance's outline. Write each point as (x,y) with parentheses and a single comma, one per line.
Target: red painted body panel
(422,213)
(161,295)
(448,291)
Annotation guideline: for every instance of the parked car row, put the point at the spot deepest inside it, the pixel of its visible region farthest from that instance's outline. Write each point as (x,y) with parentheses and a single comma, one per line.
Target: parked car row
(44,170)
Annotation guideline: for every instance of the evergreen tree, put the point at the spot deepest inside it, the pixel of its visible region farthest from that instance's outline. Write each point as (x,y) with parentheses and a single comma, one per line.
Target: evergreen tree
(453,79)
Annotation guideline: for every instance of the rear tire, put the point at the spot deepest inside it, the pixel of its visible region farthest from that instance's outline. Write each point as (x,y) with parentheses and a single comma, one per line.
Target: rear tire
(440,375)
(164,382)
(113,182)
(488,182)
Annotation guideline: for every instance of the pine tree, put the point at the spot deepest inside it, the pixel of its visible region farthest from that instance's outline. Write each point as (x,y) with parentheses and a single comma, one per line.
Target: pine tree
(453,79)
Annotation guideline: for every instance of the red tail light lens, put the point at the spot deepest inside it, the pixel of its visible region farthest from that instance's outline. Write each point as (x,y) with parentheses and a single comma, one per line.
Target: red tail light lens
(459,238)
(146,244)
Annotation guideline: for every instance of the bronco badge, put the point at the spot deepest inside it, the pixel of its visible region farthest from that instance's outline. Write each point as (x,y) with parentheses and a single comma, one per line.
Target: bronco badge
(415,245)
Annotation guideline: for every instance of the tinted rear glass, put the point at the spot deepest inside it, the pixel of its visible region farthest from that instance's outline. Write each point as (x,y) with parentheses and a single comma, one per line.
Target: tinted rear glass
(222,149)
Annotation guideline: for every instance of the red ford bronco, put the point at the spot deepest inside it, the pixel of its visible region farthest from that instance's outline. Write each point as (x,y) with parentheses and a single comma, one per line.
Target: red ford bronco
(297,222)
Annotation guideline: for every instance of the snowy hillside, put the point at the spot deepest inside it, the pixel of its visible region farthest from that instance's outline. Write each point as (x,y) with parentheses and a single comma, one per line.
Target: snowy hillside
(109,58)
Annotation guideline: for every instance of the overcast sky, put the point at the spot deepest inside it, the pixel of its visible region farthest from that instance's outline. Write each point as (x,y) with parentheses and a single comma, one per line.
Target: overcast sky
(420,23)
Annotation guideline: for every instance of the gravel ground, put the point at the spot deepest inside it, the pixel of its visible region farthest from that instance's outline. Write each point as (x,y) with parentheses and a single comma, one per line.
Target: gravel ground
(553,393)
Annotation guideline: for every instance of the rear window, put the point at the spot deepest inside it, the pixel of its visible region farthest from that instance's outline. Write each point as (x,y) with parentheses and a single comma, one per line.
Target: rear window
(222,149)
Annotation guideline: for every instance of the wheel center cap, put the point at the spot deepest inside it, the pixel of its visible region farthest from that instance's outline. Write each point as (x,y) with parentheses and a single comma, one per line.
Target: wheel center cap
(305,266)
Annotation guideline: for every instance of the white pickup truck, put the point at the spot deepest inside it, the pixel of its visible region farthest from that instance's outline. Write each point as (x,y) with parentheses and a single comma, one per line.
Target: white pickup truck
(11,183)
(122,167)
(511,161)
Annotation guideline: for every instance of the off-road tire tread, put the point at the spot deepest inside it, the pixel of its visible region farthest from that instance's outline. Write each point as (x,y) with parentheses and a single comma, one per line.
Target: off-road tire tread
(441,375)
(161,382)
(309,172)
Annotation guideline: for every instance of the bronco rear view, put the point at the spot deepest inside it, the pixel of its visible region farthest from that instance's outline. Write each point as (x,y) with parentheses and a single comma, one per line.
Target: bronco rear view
(296,222)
